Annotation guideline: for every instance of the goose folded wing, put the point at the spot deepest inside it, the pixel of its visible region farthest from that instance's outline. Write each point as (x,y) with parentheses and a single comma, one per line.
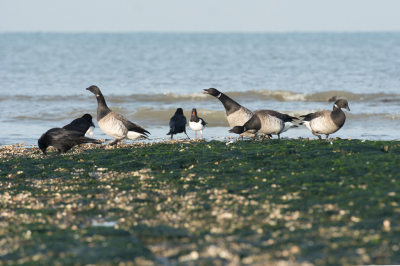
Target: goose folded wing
(283,117)
(131,126)
(311,116)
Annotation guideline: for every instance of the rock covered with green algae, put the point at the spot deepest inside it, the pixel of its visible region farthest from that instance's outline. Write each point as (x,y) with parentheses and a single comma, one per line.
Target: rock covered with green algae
(202,203)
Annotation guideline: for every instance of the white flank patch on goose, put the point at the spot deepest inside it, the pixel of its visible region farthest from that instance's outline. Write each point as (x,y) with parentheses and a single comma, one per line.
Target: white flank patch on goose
(307,123)
(288,125)
(132,135)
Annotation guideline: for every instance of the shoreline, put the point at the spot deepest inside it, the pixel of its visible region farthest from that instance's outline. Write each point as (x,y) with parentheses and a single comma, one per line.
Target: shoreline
(203,203)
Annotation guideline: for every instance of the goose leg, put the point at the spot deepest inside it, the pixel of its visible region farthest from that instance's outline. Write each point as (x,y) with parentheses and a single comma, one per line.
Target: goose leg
(115,141)
(195,134)
(279,136)
(172,136)
(242,137)
(319,136)
(201,132)
(327,135)
(263,137)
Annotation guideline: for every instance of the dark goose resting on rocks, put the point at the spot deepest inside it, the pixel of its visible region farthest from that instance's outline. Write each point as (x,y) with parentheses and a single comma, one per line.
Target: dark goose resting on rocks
(196,123)
(326,122)
(177,123)
(113,124)
(236,114)
(82,124)
(266,122)
(63,140)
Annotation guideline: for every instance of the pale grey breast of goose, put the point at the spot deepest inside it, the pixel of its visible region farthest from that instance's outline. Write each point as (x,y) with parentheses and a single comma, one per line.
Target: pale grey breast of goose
(240,117)
(324,124)
(271,124)
(113,126)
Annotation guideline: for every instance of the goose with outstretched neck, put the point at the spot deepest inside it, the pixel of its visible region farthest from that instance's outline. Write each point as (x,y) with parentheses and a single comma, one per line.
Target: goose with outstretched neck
(236,114)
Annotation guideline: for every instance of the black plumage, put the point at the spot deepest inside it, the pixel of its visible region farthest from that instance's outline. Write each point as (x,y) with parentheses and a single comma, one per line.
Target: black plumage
(63,140)
(81,124)
(177,123)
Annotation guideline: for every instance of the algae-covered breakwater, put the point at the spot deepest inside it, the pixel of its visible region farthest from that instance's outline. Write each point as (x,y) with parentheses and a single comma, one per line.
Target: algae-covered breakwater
(203,203)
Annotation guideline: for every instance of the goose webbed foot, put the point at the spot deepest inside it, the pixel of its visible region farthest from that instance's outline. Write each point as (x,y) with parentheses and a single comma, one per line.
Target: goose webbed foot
(115,141)
(319,136)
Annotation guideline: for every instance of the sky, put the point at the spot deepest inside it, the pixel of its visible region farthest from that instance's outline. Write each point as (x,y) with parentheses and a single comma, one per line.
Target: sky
(199,15)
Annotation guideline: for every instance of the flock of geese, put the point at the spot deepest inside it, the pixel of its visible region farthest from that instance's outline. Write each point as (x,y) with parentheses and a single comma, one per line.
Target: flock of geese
(263,123)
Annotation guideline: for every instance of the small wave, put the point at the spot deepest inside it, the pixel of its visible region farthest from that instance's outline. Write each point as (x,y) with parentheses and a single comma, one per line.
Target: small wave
(251,95)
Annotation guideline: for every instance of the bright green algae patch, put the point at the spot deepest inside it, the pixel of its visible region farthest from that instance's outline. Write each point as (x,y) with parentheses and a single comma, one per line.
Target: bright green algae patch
(203,203)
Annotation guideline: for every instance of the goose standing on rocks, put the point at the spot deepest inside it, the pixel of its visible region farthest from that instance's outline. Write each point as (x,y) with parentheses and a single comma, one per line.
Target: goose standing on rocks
(266,122)
(63,140)
(236,114)
(326,122)
(177,124)
(196,123)
(113,124)
(83,124)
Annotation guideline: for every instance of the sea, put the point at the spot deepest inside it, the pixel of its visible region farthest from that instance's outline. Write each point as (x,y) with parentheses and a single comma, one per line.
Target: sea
(147,76)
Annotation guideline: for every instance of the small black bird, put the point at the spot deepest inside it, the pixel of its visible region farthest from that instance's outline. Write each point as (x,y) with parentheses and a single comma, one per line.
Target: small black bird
(63,140)
(82,124)
(177,123)
(197,123)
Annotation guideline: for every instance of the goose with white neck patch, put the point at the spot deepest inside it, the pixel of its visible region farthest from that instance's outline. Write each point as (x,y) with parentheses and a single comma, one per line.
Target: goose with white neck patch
(236,114)
(326,122)
(113,124)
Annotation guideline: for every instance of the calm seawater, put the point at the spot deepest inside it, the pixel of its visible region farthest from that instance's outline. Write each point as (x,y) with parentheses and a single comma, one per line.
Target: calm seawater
(146,76)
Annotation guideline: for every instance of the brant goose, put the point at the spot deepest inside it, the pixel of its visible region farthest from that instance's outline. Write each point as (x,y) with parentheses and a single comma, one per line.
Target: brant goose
(266,122)
(197,123)
(83,125)
(177,123)
(326,122)
(63,140)
(113,124)
(236,114)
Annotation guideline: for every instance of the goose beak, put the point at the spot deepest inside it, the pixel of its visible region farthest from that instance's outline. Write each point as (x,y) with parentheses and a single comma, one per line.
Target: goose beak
(348,108)
(205,91)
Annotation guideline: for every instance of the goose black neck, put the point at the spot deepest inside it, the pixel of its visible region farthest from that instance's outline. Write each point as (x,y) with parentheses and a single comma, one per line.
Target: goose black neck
(101,101)
(102,108)
(338,117)
(229,104)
